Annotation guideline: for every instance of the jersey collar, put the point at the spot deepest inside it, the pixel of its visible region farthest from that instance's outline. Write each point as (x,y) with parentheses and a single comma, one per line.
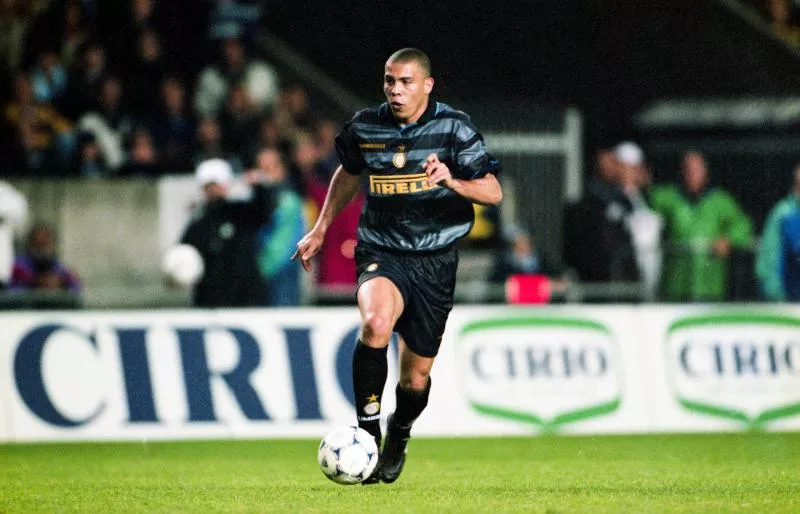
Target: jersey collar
(428,115)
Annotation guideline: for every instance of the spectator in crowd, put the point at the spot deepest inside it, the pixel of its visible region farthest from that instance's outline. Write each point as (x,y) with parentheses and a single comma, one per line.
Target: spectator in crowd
(325,132)
(225,233)
(291,111)
(208,145)
(174,127)
(259,80)
(109,123)
(90,163)
(304,162)
(13,215)
(238,121)
(785,18)
(519,254)
(778,259)
(276,239)
(49,78)
(124,34)
(14,24)
(43,137)
(598,244)
(703,224)
(232,18)
(85,80)
(141,14)
(144,73)
(39,266)
(644,224)
(74,34)
(270,136)
(143,159)
(783,13)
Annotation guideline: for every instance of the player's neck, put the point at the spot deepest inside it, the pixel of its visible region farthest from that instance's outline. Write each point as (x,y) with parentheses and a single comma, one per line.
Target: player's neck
(414,117)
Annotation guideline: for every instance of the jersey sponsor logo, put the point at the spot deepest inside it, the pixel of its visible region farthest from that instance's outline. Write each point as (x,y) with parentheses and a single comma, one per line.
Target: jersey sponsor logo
(389,185)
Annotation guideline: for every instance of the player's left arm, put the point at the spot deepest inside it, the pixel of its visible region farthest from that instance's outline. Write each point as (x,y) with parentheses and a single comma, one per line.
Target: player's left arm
(484,190)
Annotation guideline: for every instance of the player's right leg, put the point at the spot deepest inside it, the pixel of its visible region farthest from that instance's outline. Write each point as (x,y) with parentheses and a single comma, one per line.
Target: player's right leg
(380,304)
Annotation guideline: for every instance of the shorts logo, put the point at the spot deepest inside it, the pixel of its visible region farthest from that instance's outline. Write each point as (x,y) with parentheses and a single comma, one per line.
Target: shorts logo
(372,408)
(389,185)
(372,267)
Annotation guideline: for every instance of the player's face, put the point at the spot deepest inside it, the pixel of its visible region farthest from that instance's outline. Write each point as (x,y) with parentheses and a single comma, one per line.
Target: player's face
(406,86)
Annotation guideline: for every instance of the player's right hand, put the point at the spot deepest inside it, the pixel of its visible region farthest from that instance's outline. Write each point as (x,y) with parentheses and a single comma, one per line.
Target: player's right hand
(308,247)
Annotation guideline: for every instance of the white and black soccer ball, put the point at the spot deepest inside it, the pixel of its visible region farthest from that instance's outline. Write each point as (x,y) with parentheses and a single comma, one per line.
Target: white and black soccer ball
(348,455)
(183,264)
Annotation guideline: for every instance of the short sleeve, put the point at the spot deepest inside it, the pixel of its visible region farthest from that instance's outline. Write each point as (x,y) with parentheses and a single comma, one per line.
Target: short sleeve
(348,151)
(472,158)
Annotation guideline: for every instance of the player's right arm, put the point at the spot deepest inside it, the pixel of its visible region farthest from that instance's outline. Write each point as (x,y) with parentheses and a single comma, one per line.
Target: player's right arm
(344,187)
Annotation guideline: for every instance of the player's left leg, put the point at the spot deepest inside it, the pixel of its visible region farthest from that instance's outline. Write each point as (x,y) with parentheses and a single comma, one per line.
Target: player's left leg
(430,298)
(412,397)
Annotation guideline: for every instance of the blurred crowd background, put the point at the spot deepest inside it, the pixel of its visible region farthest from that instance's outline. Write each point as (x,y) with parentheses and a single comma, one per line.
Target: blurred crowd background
(675,181)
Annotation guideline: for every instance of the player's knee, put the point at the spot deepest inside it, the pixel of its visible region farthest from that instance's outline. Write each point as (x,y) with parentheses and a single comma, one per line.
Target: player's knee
(376,330)
(414,380)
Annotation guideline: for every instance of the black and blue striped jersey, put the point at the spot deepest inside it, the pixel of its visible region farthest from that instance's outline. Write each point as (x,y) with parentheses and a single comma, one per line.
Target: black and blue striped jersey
(402,211)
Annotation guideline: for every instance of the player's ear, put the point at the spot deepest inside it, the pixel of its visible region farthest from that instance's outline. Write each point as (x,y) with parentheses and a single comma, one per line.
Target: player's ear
(428,85)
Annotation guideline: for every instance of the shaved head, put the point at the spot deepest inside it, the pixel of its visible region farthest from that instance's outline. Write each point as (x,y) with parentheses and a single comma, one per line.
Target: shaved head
(406,55)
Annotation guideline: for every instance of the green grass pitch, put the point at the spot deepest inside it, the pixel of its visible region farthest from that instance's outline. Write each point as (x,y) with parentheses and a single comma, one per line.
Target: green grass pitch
(752,472)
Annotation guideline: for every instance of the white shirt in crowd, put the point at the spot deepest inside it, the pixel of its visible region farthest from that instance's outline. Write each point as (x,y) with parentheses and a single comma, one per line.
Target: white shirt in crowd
(13,216)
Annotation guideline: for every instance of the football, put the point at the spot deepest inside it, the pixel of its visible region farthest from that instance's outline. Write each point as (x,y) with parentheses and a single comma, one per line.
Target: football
(183,265)
(348,455)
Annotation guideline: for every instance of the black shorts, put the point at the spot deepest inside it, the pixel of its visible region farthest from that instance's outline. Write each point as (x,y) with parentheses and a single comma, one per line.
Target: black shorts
(426,280)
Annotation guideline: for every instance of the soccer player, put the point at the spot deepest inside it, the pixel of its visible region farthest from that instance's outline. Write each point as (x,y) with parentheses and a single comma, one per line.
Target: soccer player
(426,164)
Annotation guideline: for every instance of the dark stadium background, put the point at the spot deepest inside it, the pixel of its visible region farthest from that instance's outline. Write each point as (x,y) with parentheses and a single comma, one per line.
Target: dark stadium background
(610,58)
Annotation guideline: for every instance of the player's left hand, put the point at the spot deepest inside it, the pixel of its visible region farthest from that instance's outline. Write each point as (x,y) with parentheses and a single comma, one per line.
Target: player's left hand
(308,247)
(438,172)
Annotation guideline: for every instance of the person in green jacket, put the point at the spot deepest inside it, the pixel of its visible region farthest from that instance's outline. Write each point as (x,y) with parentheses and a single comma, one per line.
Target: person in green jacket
(703,224)
(777,263)
(277,236)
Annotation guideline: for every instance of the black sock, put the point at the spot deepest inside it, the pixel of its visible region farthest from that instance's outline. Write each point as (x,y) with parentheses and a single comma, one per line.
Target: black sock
(370,368)
(410,405)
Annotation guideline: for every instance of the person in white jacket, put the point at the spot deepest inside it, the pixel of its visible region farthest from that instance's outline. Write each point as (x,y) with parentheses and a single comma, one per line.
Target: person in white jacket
(643,223)
(13,216)
(109,123)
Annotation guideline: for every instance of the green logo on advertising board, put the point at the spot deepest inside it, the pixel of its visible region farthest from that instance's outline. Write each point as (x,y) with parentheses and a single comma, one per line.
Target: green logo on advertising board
(546,372)
(744,367)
